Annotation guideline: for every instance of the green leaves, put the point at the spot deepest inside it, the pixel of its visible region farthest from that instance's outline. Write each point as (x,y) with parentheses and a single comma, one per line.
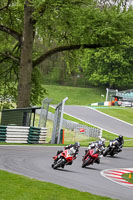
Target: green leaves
(71,22)
(38,91)
(110,67)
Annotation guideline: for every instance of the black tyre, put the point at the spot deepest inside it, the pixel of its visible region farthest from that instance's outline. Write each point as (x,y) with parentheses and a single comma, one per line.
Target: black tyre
(86,162)
(106,152)
(60,163)
(112,154)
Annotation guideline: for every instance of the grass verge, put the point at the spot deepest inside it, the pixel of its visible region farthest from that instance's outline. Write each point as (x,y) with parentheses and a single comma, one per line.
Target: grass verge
(76,95)
(125,114)
(19,187)
(128,177)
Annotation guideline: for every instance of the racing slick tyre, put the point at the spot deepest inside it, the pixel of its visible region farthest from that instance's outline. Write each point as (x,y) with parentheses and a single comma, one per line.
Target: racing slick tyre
(59,163)
(86,162)
(106,152)
(112,154)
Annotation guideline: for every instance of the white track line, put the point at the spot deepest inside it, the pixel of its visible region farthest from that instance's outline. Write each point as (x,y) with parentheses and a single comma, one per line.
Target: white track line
(111,116)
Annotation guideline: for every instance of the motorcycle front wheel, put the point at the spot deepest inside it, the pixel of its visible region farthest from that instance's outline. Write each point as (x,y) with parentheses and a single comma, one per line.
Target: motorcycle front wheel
(59,163)
(106,152)
(86,162)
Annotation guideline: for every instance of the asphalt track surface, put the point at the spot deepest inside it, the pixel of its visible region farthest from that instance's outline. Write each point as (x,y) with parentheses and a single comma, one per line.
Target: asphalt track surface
(92,116)
(35,162)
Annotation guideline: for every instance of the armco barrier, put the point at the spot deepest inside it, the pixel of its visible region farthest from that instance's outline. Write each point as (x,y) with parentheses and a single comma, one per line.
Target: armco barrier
(37,135)
(43,134)
(17,134)
(2,133)
(22,134)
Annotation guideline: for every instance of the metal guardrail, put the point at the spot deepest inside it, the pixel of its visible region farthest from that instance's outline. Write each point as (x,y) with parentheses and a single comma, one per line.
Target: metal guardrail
(23,134)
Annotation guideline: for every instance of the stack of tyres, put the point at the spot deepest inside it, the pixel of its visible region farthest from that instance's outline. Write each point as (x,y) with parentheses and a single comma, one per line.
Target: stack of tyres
(3,133)
(34,135)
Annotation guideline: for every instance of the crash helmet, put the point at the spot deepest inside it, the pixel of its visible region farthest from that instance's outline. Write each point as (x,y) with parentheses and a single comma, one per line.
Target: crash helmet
(77,145)
(103,140)
(99,137)
(120,137)
(100,143)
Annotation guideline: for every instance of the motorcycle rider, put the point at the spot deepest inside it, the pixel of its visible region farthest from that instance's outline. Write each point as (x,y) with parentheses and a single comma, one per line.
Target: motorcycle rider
(115,146)
(74,150)
(100,145)
(120,142)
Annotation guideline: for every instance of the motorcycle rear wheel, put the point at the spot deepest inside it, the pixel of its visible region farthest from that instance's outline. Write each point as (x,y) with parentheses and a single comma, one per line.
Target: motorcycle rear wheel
(112,154)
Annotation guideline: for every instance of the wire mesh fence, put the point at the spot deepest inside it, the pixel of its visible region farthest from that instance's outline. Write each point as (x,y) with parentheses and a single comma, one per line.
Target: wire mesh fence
(73,130)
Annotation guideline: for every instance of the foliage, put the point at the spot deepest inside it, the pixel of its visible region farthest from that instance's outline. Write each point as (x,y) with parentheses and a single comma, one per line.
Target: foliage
(64,26)
(8,88)
(110,67)
(38,90)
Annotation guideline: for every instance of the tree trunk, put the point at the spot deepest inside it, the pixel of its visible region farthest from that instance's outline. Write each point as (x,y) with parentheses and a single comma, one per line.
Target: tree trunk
(24,84)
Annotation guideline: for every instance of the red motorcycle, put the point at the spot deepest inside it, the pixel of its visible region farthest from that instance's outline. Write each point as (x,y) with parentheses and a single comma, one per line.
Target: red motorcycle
(64,158)
(92,155)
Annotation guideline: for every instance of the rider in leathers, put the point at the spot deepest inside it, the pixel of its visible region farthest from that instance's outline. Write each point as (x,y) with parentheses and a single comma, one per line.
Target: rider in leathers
(74,149)
(120,142)
(100,145)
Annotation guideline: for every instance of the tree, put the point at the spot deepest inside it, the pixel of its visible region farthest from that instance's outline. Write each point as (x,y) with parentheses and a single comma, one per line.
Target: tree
(113,67)
(60,26)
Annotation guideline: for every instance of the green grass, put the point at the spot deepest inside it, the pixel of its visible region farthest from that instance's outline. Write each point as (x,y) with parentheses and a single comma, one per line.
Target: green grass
(17,187)
(126,177)
(76,95)
(125,114)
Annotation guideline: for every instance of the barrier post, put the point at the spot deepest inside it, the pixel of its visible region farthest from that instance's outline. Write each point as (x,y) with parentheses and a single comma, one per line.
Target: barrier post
(62,136)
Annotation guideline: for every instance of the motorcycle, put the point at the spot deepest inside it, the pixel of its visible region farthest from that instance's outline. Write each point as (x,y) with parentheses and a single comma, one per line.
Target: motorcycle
(98,145)
(64,158)
(113,148)
(92,155)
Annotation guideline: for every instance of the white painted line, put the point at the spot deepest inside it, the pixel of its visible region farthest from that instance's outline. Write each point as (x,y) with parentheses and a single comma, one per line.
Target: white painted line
(110,116)
(90,123)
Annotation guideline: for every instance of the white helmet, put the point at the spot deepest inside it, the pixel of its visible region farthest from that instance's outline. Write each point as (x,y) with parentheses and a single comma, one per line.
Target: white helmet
(99,137)
(103,140)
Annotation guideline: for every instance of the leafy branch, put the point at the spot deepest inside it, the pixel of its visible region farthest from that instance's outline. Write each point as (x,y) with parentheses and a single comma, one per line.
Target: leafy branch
(11,32)
(63,48)
(7,55)
(7,5)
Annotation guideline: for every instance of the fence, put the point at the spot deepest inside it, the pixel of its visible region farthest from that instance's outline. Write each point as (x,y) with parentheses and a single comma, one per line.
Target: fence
(34,135)
(78,128)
